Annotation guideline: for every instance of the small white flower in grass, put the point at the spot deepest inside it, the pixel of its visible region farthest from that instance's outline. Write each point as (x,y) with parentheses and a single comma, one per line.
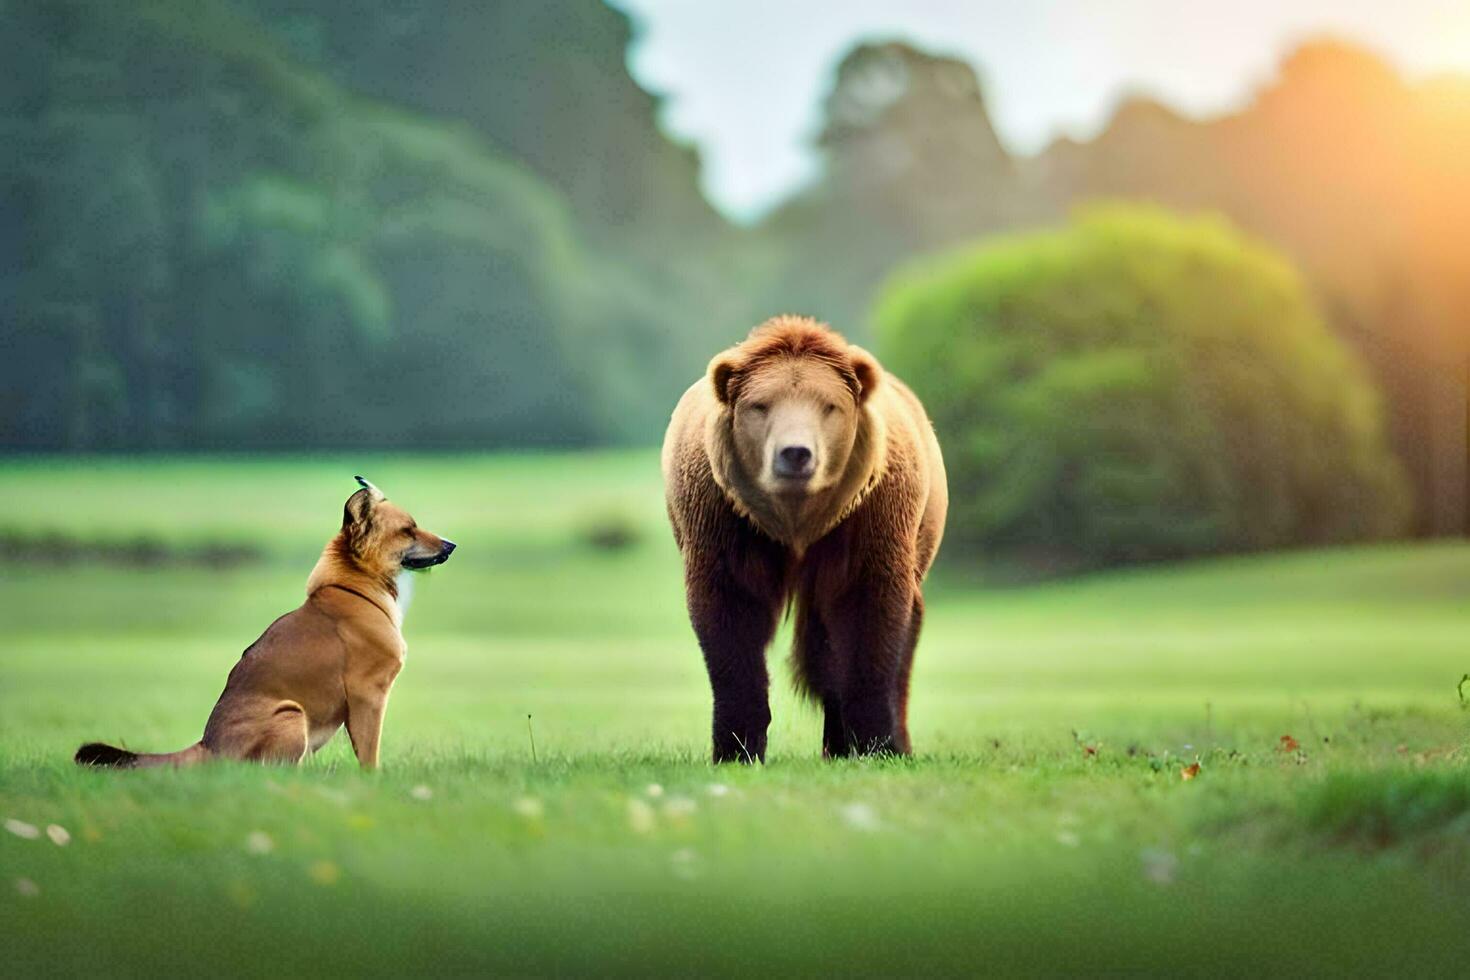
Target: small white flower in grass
(1159,866)
(1067,838)
(27,888)
(860,816)
(654,790)
(640,816)
(259,842)
(685,864)
(58,834)
(718,789)
(680,808)
(421,792)
(529,807)
(336,796)
(21,829)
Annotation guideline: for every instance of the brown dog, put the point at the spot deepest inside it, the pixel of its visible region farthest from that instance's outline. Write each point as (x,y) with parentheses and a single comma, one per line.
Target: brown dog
(328,663)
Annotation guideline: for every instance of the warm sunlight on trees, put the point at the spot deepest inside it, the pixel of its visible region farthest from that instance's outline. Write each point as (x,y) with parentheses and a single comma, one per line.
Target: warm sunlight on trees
(1139,387)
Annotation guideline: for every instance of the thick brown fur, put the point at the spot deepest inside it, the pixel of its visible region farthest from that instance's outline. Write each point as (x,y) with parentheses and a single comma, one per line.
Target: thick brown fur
(848,542)
(328,663)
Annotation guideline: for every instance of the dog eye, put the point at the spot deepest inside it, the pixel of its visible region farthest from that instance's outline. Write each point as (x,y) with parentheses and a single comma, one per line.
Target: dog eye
(829,408)
(408,531)
(760,407)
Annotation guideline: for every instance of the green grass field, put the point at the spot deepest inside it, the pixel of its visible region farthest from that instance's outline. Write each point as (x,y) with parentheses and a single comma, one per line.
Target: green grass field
(1042,827)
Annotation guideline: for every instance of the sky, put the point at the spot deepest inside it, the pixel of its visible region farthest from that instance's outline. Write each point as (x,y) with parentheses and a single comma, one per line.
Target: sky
(744,80)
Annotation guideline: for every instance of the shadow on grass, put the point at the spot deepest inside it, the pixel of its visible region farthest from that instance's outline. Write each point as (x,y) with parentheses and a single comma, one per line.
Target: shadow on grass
(1381,809)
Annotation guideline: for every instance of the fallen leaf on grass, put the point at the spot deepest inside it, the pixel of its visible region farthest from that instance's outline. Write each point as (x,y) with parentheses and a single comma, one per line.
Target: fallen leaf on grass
(1442,753)
(27,888)
(324,873)
(58,834)
(1289,744)
(1189,772)
(241,894)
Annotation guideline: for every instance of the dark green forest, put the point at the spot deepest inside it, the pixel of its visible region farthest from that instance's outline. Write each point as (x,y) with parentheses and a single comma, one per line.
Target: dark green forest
(275,225)
(293,224)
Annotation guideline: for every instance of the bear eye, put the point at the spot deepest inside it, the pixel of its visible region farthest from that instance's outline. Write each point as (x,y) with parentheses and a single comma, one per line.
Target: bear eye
(829,408)
(760,407)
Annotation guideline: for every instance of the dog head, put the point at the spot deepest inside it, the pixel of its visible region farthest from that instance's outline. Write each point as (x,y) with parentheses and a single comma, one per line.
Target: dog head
(384,538)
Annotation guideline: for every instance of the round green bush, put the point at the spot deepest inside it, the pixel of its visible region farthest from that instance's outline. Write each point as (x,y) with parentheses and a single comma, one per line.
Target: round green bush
(1138,386)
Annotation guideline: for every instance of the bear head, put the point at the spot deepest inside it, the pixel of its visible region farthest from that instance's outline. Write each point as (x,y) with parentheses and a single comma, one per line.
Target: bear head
(795,393)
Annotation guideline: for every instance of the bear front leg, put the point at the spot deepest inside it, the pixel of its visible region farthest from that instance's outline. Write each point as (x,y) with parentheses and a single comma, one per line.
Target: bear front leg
(835,742)
(734,627)
(906,669)
(871,628)
(816,672)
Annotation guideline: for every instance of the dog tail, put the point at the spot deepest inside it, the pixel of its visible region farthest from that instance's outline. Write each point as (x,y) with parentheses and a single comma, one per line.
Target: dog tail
(101,754)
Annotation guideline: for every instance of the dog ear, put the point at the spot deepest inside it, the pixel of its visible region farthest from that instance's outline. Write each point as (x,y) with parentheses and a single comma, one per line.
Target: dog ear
(865,368)
(724,374)
(373,491)
(357,513)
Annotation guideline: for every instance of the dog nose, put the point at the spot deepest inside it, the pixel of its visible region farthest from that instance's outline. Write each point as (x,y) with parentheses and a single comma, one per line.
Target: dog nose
(794,461)
(449,547)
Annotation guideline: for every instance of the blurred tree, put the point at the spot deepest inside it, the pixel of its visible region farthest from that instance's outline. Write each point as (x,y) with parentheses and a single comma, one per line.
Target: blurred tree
(216,245)
(910,163)
(546,84)
(1139,387)
(1362,179)
(268,223)
(1357,175)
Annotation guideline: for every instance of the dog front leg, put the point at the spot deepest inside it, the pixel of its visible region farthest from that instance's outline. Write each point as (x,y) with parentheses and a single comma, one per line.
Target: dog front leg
(365,711)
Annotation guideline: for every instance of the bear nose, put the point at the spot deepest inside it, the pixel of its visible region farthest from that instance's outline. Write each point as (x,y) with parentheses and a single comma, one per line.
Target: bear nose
(794,461)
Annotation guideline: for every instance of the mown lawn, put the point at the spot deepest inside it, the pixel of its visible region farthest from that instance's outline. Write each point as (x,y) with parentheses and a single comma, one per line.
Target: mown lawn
(1044,825)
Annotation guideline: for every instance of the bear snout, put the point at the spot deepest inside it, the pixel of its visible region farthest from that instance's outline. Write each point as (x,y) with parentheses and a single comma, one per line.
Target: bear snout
(795,462)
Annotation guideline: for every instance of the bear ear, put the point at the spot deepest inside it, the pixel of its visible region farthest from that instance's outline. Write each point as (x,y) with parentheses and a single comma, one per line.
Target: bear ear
(865,368)
(724,370)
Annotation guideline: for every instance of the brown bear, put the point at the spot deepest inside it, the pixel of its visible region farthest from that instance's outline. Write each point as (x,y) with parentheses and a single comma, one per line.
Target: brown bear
(798,470)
